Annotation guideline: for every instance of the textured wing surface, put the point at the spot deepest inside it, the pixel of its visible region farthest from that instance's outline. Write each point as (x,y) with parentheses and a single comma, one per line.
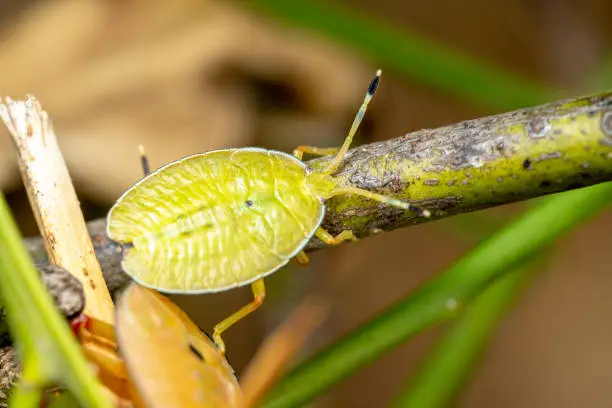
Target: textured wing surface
(179,188)
(209,228)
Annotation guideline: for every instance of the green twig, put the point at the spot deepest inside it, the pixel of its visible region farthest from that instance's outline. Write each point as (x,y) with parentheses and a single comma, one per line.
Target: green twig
(442,297)
(451,170)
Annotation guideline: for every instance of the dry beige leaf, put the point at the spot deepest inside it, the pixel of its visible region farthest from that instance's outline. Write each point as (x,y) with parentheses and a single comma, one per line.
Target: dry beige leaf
(177,77)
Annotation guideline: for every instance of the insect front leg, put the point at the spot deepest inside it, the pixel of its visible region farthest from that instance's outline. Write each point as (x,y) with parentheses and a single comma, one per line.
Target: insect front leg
(329,239)
(316,151)
(259,293)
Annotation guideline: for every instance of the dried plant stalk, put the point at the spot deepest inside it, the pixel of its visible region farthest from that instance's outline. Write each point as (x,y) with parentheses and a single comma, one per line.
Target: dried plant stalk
(54,201)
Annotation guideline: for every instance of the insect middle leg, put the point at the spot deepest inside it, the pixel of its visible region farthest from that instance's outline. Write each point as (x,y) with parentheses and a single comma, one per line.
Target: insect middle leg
(329,239)
(302,258)
(316,151)
(259,293)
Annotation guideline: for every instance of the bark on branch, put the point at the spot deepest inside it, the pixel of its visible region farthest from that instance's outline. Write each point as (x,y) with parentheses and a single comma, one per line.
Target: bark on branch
(454,169)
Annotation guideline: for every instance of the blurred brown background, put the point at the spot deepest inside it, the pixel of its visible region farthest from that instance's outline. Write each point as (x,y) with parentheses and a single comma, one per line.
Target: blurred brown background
(195,75)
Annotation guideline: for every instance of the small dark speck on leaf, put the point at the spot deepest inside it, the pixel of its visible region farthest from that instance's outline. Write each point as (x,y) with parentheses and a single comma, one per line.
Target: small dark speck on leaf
(196,352)
(248,203)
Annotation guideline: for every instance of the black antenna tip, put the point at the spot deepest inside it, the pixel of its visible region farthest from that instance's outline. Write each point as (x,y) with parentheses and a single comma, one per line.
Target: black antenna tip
(375,82)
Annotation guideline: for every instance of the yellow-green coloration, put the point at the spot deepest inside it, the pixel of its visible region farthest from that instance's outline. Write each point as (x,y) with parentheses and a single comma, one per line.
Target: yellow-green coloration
(218,220)
(215,221)
(478,163)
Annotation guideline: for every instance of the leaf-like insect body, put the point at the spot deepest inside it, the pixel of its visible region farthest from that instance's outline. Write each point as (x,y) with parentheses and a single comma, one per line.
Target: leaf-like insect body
(217,220)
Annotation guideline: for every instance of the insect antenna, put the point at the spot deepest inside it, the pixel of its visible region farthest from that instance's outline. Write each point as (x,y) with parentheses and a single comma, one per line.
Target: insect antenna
(381,198)
(337,161)
(144,160)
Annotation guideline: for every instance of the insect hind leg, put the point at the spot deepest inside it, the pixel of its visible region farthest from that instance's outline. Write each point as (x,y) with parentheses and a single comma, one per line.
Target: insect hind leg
(259,294)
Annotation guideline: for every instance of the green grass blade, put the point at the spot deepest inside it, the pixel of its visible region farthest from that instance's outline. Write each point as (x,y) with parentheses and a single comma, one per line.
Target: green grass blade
(434,301)
(42,336)
(447,369)
(410,55)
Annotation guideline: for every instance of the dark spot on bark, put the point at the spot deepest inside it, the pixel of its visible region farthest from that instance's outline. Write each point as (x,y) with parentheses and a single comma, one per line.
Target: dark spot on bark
(500,146)
(527,164)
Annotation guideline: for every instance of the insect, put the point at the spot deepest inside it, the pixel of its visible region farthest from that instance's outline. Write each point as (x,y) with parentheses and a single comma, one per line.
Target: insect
(222,219)
(155,356)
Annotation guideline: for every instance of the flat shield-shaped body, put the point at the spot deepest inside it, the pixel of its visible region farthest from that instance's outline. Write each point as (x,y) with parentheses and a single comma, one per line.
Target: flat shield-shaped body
(214,221)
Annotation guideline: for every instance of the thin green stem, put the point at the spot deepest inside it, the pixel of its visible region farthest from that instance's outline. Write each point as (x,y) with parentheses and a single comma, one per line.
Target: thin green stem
(451,362)
(442,297)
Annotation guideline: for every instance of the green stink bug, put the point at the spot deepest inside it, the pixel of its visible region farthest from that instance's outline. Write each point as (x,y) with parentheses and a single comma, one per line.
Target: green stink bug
(222,219)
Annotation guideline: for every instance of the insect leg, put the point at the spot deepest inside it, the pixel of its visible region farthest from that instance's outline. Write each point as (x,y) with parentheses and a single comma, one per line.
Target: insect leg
(275,354)
(144,160)
(259,292)
(329,239)
(302,258)
(99,345)
(316,151)
(337,161)
(381,198)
